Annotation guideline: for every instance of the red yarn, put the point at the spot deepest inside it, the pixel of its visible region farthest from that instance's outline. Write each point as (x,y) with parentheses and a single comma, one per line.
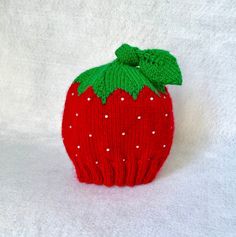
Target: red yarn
(122,142)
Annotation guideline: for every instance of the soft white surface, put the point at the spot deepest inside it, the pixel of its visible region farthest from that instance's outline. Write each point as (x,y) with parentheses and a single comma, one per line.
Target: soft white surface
(43,46)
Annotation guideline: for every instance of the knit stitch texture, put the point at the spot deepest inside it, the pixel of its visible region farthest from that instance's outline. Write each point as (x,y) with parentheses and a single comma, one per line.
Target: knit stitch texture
(131,71)
(118,122)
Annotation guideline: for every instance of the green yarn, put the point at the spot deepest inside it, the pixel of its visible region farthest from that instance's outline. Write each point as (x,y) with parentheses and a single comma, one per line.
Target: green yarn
(131,71)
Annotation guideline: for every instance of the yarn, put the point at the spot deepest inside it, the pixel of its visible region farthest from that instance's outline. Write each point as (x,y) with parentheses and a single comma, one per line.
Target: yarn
(128,55)
(131,71)
(118,122)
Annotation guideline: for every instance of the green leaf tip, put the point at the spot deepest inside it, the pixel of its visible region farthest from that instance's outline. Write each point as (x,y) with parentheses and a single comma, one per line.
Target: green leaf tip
(131,71)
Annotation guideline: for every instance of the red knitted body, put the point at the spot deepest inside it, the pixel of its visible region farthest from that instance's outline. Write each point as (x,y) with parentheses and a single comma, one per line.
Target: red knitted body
(122,142)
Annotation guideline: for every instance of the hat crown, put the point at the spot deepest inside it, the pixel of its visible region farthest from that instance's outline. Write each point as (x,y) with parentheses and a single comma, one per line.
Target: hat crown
(131,71)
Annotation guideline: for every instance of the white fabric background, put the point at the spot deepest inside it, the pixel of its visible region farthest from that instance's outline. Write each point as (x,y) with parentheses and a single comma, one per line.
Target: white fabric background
(44,45)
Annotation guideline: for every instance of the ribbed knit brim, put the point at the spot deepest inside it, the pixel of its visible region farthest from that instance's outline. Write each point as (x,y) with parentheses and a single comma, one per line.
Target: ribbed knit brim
(118,122)
(124,142)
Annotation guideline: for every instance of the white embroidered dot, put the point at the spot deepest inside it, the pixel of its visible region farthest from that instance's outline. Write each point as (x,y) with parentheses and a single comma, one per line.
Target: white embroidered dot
(88,99)
(124,160)
(166,115)
(123,133)
(96,162)
(151,98)
(107,149)
(70,126)
(164,97)
(106,116)
(164,146)
(137,146)
(122,98)
(153,132)
(72,93)
(76,155)
(78,146)
(76,114)
(90,135)
(139,117)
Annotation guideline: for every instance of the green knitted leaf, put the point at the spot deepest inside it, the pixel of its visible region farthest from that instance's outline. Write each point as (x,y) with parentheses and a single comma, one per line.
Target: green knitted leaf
(89,77)
(131,71)
(160,67)
(107,78)
(160,87)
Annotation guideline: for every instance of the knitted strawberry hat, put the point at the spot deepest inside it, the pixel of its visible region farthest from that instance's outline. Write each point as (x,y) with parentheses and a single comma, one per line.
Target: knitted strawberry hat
(118,122)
